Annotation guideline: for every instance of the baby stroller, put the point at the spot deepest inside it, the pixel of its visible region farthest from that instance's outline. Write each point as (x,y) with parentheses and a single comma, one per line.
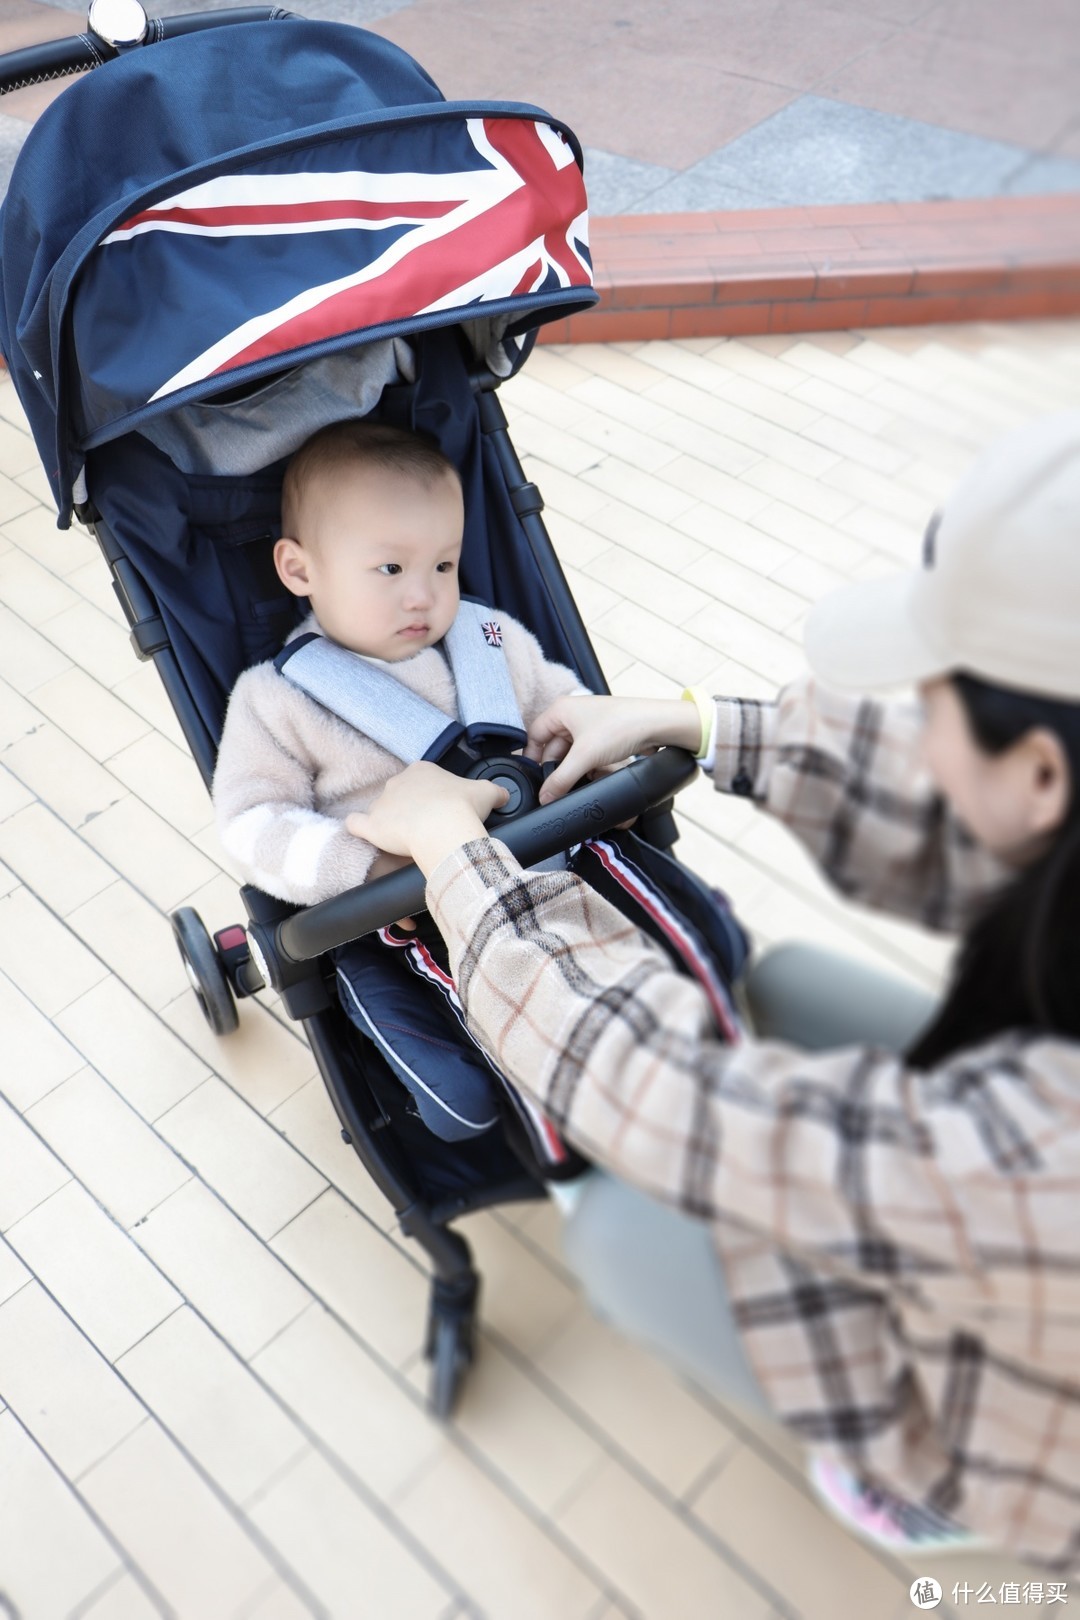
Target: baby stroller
(297,228)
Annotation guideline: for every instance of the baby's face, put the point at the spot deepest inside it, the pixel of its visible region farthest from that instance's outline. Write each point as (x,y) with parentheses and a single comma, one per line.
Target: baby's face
(379,560)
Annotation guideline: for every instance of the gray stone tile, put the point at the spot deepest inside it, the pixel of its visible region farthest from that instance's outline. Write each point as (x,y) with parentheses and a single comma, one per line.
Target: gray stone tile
(621,185)
(828,152)
(1040,175)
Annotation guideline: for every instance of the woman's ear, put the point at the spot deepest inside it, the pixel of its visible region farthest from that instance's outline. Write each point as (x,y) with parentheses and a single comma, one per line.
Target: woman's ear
(1049,780)
(292,564)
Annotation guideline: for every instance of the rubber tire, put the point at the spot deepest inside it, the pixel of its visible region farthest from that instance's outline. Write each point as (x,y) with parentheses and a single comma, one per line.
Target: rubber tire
(450,1360)
(208,979)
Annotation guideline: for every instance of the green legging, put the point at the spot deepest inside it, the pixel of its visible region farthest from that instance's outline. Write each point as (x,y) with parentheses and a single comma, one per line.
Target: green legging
(653,1272)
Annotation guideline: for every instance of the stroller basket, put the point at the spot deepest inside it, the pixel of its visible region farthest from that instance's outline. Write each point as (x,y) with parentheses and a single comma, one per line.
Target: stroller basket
(326,237)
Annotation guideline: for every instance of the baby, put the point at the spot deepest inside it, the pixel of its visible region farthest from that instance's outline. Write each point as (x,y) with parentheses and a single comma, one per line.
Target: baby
(372,521)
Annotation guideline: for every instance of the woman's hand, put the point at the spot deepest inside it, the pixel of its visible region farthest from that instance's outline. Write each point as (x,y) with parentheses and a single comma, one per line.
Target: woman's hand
(424,813)
(589,733)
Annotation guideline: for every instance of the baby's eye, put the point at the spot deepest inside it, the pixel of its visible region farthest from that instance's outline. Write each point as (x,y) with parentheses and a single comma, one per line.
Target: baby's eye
(389,568)
(446,567)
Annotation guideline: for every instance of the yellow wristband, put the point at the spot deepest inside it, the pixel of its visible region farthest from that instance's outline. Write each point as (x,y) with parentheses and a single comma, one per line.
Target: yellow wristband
(706,709)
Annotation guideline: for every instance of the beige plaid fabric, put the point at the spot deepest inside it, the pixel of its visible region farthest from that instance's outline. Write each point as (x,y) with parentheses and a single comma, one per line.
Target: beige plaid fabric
(901,1247)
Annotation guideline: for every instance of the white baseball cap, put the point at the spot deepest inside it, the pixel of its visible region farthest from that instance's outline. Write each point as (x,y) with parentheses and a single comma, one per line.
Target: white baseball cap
(998,593)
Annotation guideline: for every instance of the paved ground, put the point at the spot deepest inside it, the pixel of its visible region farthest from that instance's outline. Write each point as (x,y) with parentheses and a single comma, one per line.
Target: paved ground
(210,1390)
(707,104)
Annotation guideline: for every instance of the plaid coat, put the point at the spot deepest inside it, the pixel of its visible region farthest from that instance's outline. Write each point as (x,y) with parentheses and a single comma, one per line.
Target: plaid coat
(901,1248)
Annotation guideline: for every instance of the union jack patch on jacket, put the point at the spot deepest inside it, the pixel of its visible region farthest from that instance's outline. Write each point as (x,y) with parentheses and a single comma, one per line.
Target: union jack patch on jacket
(492,633)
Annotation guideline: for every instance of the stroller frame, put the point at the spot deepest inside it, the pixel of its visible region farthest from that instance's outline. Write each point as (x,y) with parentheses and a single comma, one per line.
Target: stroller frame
(283,944)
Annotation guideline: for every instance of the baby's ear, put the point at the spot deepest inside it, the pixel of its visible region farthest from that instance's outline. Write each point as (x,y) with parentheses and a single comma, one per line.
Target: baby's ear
(291,562)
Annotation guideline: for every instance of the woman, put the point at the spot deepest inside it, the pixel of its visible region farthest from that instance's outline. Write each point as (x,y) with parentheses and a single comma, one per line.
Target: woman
(898,1234)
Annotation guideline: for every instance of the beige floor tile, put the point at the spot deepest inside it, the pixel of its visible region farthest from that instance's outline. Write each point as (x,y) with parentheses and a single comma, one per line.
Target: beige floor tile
(61,551)
(778,1528)
(93,581)
(151,854)
(93,641)
(651,1555)
(89,713)
(40,1514)
(808,577)
(521,1429)
(31,1173)
(732,634)
(638,680)
(650,585)
(856,410)
(528,394)
(729,537)
(623,364)
(242,1157)
(54,863)
(276,1601)
(221,1268)
(593,598)
(13,794)
(121,1599)
(807,536)
(17,455)
(841,370)
(136,1052)
(93,1269)
(142,691)
(523,1300)
(562,493)
(133,939)
(211,1404)
(58,1385)
(730,583)
(638,1405)
(359,1273)
(263,1061)
(656,416)
(36,1056)
(307,1119)
(735,497)
(362,1414)
(26,657)
(550,443)
(675,649)
(13,1274)
(900,540)
(108,1147)
(843,440)
(347,1555)
(169,1521)
(757,437)
(574,543)
(63,775)
(165,777)
(506,1563)
(648,538)
(662,497)
(822,498)
(34,481)
(30,590)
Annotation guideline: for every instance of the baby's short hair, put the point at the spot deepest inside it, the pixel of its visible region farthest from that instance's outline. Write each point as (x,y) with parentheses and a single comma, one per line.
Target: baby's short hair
(358,444)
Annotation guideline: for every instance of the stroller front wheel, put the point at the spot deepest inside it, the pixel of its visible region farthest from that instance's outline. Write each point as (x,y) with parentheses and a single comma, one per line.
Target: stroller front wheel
(451,1354)
(204,970)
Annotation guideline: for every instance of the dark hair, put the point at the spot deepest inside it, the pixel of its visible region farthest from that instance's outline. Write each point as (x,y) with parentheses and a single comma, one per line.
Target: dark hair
(358,444)
(1018,967)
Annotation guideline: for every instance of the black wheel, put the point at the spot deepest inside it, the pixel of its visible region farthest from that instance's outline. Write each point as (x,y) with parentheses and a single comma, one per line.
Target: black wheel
(450,1353)
(203,967)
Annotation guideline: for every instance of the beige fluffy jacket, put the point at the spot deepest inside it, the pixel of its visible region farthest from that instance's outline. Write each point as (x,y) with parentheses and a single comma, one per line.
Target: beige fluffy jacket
(289,772)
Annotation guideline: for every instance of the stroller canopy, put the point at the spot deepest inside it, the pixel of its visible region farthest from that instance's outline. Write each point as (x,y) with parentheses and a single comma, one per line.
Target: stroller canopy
(199,214)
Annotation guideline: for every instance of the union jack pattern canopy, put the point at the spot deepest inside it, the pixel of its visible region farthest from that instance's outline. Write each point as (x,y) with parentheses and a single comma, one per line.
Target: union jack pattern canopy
(274,221)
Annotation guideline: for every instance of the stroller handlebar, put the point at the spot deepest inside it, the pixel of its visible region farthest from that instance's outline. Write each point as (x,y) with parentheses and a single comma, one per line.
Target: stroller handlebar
(56,58)
(587,811)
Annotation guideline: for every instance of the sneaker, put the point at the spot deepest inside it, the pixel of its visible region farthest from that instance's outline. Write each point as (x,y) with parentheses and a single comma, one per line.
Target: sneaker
(886,1520)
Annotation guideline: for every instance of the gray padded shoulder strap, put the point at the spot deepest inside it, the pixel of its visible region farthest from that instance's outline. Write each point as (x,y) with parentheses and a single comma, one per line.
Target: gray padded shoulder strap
(367,696)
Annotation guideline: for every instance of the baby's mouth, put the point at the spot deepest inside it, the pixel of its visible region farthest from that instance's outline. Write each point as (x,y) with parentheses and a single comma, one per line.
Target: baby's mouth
(414,630)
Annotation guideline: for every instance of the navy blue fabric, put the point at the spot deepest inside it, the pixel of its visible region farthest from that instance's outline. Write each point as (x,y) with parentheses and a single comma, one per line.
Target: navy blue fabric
(147,124)
(425,1046)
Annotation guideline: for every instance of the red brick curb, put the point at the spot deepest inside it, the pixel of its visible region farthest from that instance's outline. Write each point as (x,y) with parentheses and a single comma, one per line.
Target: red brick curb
(805,269)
